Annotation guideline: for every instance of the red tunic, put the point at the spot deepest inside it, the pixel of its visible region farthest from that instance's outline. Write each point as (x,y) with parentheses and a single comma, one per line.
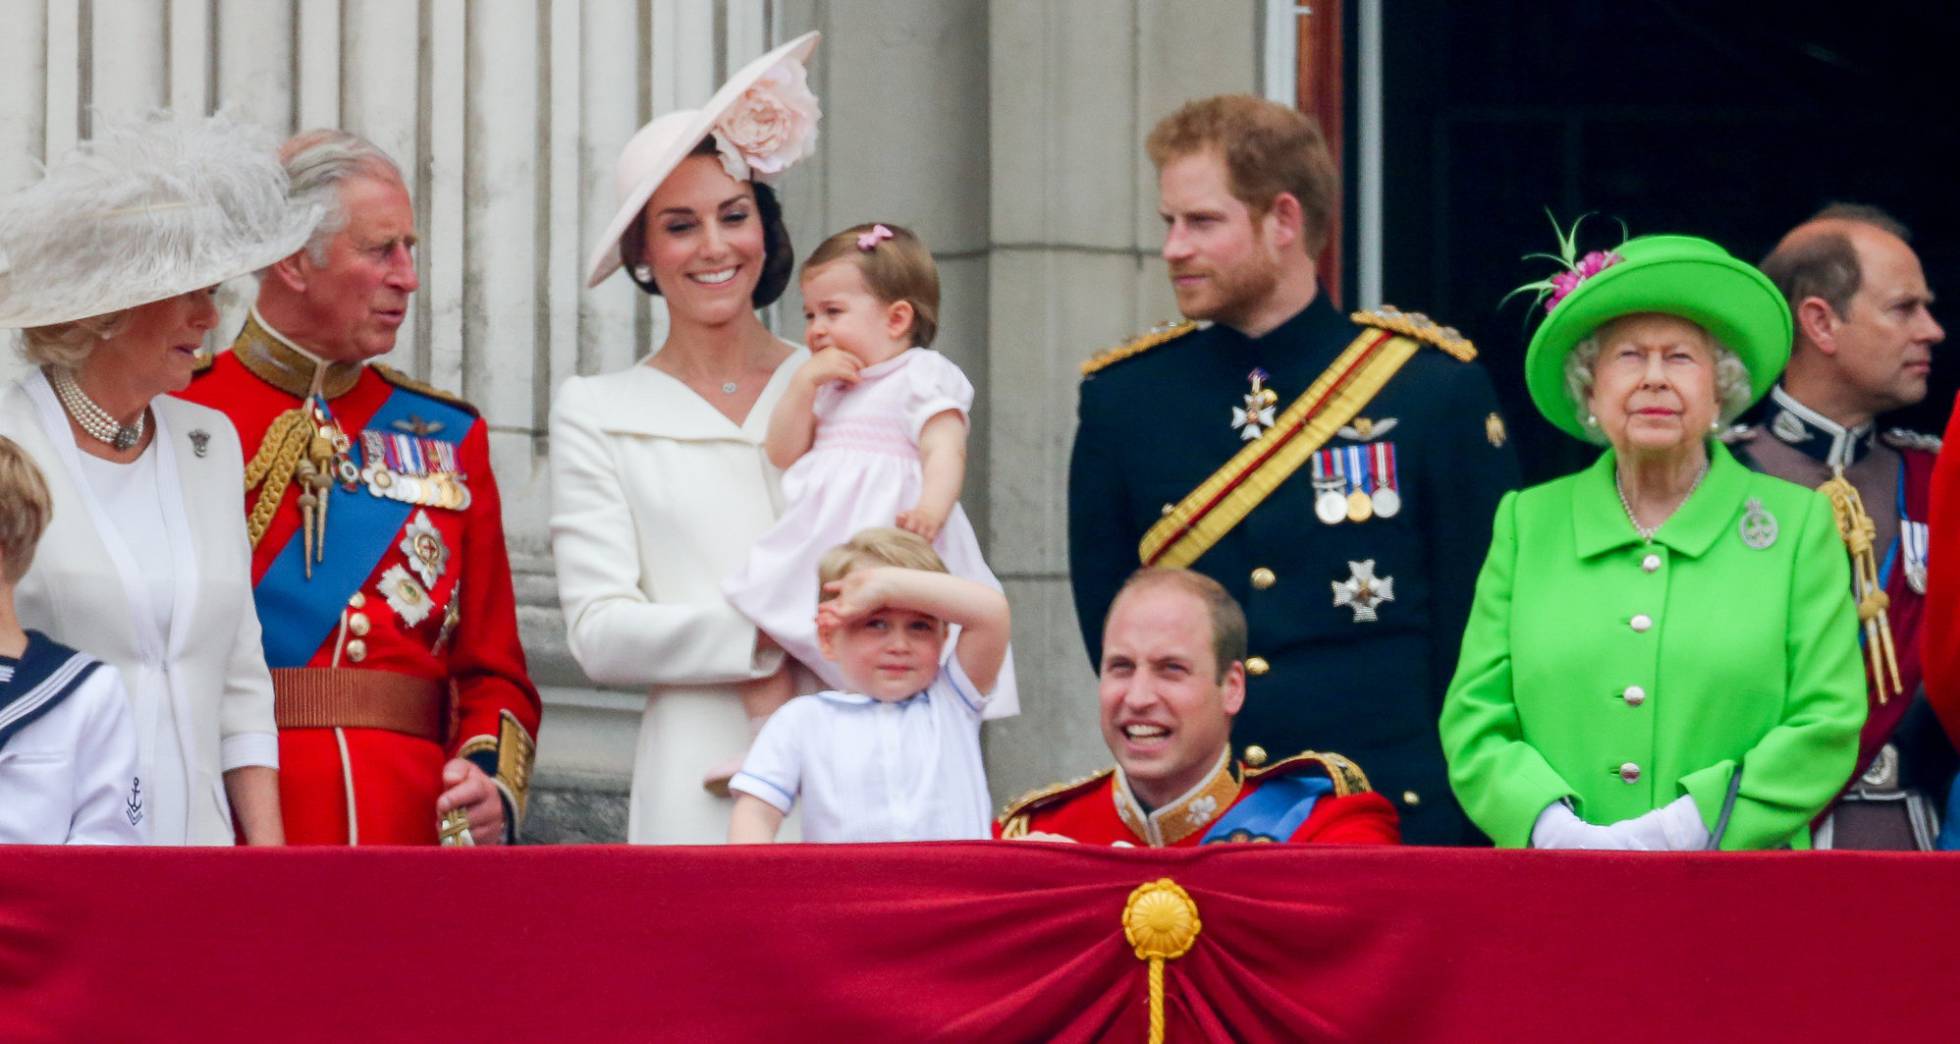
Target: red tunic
(1099,809)
(447,615)
(1940,626)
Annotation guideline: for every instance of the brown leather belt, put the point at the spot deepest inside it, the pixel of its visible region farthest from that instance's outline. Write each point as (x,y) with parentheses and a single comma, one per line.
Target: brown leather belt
(324,698)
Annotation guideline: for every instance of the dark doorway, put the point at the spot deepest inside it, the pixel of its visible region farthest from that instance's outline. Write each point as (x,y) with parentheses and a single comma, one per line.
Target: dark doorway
(1730,121)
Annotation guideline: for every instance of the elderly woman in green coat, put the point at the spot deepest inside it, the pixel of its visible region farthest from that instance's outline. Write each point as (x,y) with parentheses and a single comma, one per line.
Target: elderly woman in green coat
(1663,652)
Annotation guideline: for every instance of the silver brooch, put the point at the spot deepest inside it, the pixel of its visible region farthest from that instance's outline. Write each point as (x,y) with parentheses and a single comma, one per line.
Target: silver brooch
(200,441)
(1758,526)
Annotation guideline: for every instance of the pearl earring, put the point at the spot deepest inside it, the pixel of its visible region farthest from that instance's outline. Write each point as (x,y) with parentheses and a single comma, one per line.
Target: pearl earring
(643,273)
(1592,420)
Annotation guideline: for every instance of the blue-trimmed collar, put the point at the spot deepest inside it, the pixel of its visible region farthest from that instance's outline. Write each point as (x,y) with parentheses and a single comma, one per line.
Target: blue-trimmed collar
(1816,436)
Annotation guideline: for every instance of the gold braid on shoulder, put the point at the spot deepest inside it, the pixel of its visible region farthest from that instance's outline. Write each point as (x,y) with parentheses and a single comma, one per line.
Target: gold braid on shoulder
(278,457)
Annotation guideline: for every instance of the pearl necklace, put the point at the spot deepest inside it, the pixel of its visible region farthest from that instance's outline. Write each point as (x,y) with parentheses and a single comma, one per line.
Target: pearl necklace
(1647,533)
(91,418)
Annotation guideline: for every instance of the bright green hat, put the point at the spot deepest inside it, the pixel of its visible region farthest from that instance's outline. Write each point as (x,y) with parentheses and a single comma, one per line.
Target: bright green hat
(1673,275)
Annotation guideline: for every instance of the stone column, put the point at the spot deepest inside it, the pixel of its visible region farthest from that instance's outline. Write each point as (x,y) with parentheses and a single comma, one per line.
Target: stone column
(1073,268)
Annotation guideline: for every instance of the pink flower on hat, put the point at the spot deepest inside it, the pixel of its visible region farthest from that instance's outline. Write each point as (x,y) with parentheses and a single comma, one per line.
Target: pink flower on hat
(1590,265)
(771,126)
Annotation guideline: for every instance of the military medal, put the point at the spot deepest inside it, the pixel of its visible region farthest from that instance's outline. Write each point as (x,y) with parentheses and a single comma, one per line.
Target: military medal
(1328,503)
(1257,413)
(1360,508)
(1363,591)
(1387,502)
(1913,540)
(408,599)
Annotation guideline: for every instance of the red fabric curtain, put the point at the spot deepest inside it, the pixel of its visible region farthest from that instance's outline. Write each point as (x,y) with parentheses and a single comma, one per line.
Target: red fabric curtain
(969,941)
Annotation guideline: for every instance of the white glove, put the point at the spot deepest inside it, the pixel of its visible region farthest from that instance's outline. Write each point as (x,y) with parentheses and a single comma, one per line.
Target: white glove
(1674,827)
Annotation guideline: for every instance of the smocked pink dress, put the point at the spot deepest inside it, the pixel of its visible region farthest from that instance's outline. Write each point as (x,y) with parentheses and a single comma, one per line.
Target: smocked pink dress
(861,471)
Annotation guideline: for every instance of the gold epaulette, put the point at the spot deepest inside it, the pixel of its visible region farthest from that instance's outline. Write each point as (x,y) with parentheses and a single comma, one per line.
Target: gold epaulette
(1420,327)
(402,380)
(1901,438)
(1347,776)
(1161,334)
(1042,797)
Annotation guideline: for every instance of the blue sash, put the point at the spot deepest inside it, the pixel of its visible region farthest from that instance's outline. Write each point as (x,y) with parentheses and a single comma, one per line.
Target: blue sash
(1273,812)
(298,613)
(46,673)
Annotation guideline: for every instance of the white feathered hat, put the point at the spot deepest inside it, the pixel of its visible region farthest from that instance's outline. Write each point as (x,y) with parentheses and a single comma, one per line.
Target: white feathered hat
(144,211)
(763,120)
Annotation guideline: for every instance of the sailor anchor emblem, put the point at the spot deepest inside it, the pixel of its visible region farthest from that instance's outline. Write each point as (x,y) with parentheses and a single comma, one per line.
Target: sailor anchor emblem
(1363,591)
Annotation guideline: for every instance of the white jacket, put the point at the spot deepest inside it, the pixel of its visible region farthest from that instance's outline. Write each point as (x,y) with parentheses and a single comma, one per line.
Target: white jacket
(79,592)
(69,776)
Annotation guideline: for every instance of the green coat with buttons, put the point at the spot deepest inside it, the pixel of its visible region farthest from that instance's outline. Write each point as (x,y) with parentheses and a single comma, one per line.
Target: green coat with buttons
(1622,674)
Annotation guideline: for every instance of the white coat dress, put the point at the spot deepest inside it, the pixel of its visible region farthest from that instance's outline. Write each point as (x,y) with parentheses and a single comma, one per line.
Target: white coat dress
(82,592)
(656,498)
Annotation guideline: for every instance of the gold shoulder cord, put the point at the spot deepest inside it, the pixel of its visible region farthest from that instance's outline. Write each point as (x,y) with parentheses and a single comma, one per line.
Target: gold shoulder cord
(278,457)
(1859,532)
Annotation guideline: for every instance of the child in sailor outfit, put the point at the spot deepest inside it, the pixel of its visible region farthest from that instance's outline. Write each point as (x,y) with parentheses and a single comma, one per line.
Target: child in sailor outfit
(67,745)
(895,756)
(872,432)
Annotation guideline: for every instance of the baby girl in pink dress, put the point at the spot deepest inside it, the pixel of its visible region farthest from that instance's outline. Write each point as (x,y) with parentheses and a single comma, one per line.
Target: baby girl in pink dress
(872,432)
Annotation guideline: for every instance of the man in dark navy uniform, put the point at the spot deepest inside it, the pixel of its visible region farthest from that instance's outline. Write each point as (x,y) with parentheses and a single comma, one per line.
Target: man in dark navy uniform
(1337,474)
(1864,341)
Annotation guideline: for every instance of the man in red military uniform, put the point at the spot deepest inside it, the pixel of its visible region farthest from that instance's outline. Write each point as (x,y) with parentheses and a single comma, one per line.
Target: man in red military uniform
(405,709)
(1173,675)
(1864,339)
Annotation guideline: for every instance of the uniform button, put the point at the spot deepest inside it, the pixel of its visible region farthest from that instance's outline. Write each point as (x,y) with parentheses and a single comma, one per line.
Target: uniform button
(1167,509)
(1634,695)
(1651,563)
(1629,773)
(1263,578)
(358,600)
(357,624)
(357,650)
(1641,622)
(1255,755)
(1411,798)
(1257,666)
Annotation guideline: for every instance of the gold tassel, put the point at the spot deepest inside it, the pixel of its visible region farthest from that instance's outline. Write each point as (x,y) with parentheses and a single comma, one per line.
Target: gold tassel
(1859,533)
(1160,920)
(273,465)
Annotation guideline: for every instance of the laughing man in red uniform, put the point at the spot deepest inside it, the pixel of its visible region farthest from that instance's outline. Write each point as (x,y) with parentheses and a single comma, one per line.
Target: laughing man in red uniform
(405,709)
(1172,678)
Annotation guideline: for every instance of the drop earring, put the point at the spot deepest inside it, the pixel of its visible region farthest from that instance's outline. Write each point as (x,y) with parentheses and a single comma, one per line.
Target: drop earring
(643,272)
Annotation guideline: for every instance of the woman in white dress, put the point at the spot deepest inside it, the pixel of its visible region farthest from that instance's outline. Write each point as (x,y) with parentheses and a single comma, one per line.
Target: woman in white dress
(107,267)
(659,483)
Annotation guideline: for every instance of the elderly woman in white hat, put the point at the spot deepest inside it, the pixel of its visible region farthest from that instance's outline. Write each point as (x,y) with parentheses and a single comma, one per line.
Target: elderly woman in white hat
(108,267)
(659,483)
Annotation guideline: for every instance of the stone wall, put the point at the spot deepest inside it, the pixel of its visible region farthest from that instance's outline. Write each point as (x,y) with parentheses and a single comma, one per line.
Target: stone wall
(1007,133)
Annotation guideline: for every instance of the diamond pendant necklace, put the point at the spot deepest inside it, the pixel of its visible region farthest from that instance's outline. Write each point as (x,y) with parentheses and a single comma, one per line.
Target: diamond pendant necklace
(1647,533)
(729,387)
(91,418)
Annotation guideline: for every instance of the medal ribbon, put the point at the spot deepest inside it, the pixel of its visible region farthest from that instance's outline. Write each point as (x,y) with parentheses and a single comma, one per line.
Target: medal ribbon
(1223,500)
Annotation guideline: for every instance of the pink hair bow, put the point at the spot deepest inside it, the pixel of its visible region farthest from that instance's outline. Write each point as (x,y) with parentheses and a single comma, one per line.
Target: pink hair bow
(870,239)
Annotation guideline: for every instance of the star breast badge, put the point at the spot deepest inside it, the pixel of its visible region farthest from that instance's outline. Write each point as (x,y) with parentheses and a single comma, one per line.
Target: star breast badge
(1363,591)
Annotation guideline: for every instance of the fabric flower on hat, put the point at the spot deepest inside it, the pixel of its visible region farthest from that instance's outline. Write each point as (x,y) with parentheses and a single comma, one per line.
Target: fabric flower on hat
(771,126)
(1555,289)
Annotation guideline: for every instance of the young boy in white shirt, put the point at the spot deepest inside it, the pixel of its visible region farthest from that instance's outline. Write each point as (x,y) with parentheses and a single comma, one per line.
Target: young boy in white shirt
(67,745)
(898,757)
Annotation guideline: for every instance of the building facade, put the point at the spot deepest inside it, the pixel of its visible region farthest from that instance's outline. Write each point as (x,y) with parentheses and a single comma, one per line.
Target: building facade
(1007,133)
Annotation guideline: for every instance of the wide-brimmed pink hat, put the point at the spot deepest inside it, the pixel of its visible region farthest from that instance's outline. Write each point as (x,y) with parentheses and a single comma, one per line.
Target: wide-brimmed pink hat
(763,120)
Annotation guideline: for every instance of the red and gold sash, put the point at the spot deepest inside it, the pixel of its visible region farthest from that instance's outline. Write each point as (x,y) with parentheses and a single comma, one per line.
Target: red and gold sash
(1210,511)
